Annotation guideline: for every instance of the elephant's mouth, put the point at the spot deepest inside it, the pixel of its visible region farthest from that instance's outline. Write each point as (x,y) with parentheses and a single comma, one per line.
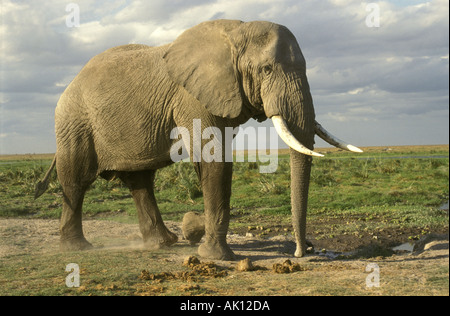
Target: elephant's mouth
(286,135)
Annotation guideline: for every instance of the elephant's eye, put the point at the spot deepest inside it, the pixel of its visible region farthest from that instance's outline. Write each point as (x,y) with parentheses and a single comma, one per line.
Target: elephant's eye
(267,70)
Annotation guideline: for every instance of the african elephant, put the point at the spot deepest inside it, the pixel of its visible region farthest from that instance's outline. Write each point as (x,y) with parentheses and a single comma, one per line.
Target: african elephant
(114,120)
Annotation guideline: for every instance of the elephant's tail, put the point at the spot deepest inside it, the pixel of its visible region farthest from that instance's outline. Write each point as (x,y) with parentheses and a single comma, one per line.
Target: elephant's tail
(42,186)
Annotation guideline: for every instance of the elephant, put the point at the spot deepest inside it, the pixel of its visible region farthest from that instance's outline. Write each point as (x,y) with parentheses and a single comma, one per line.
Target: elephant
(115,118)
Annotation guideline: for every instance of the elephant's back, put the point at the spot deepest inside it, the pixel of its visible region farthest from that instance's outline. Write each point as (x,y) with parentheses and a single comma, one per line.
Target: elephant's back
(113,76)
(116,64)
(125,48)
(118,96)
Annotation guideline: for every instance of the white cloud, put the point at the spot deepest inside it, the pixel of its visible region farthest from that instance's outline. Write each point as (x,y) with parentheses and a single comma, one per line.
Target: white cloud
(395,74)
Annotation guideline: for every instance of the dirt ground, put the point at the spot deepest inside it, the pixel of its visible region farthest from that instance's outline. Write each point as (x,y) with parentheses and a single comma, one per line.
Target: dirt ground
(20,236)
(38,236)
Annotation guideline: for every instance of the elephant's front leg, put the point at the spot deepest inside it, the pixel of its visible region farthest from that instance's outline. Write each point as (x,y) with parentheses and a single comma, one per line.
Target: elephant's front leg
(216,185)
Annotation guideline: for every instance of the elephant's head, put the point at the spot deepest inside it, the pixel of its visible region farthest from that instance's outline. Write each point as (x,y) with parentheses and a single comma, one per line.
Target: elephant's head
(256,70)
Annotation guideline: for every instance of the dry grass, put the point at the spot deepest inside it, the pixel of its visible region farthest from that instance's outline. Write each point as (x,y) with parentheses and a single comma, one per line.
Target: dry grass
(284,151)
(27,157)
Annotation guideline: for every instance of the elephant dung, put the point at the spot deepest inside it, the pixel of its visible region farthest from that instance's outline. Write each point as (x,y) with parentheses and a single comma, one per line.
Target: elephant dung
(193,227)
(245,265)
(287,267)
(191,261)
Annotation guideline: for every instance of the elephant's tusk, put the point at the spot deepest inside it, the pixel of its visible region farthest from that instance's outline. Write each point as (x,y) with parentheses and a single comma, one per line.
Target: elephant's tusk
(286,135)
(332,140)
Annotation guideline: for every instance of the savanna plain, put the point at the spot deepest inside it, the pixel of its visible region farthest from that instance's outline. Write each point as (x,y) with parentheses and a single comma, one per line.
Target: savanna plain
(360,208)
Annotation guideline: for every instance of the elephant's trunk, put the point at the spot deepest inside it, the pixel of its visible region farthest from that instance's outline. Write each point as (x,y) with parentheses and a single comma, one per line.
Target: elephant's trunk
(292,113)
(301,160)
(300,176)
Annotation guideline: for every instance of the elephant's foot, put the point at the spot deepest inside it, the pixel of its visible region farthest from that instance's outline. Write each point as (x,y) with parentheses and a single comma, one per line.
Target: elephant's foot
(159,239)
(302,251)
(74,244)
(213,249)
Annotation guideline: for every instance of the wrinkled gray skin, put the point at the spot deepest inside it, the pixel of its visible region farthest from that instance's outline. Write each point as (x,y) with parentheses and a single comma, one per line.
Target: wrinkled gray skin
(115,118)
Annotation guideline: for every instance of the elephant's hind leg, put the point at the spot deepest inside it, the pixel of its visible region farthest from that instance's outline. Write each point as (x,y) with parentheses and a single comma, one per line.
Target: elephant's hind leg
(74,188)
(154,232)
(72,238)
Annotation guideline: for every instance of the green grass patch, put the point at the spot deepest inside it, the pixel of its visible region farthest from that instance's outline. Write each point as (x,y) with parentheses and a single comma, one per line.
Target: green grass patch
(401,191)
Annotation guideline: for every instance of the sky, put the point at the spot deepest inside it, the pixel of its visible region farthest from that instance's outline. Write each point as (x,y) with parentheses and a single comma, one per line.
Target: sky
(378,71)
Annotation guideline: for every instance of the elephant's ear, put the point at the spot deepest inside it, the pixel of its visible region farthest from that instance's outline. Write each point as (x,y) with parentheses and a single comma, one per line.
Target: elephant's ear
(202,61)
